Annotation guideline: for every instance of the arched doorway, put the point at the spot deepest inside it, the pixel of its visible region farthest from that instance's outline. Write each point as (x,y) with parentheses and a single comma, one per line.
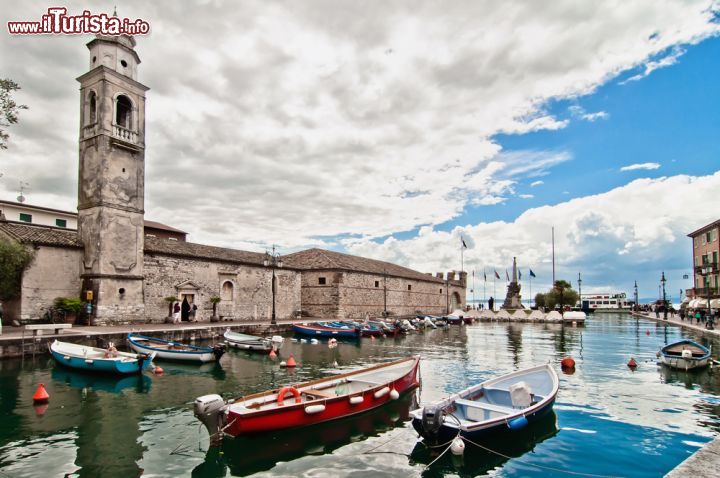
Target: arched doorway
(455,301)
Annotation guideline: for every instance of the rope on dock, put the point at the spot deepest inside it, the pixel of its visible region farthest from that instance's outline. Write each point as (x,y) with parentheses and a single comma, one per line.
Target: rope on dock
(549,468)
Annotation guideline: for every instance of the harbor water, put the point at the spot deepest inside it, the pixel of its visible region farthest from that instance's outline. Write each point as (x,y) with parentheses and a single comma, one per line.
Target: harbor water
(608,420)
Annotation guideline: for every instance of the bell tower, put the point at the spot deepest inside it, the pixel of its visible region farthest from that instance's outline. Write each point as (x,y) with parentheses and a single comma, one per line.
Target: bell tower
(111,184)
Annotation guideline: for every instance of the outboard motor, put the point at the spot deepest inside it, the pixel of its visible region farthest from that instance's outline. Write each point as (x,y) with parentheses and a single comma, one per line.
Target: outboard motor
(432,419)
(218,351)
(209,410)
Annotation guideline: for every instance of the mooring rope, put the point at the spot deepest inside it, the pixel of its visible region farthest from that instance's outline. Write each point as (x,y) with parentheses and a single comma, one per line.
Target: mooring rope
(549,468)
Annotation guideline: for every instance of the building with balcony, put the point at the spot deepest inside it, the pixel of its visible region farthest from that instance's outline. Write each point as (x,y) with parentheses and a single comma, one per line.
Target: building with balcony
(706,250)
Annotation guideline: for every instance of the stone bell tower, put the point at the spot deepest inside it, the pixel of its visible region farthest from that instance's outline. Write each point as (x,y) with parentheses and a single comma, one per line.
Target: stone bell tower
(111,197)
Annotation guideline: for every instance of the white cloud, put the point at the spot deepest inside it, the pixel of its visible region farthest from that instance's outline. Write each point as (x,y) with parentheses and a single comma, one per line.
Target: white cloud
(289,122)
(579,112)
(525,196)
(637,166)
(663,61)
(537,183)
(638,227)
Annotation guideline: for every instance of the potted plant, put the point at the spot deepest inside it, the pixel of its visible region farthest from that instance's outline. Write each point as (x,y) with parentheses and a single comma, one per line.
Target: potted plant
(70,306)
(215,301)
(170,301)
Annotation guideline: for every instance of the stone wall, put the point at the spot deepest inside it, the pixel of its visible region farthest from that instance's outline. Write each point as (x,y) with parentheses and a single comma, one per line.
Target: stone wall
(245,289)
(353,295)
(55,272)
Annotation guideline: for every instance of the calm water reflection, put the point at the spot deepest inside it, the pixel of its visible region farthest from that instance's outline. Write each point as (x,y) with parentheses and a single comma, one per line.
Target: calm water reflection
(608,419)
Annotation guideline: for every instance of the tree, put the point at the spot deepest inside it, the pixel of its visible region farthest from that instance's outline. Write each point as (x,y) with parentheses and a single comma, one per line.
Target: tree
(561,294)
(540,299)
(8,108)
(14,259)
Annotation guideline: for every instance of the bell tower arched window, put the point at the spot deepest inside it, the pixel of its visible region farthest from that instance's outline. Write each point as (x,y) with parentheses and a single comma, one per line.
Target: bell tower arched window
(92,108)
(123,112)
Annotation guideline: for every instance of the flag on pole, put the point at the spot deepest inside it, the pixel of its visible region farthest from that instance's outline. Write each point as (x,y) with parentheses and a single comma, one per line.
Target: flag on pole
(485,275)
(519,274)
(532,274)
(497,275)
(463,242)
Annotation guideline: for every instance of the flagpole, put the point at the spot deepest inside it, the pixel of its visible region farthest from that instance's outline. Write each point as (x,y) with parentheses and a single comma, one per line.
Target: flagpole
(473,288)
(553,254)
(494,290)
(484,284)
(530,279)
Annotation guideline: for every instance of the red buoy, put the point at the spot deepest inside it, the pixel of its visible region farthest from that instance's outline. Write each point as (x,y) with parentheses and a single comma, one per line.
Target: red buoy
(291,362)
(272,354)
(158,370)
(632,363)
(647,332)
(567,362)
(41,395)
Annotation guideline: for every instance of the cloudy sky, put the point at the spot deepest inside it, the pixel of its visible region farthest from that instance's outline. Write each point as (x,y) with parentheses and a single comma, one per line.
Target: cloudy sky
(391,129)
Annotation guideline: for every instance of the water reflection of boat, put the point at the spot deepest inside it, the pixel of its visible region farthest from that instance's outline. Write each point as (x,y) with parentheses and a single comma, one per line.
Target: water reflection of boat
(703,377)
(245,456)
(106,383)
(477,460)
(213,369)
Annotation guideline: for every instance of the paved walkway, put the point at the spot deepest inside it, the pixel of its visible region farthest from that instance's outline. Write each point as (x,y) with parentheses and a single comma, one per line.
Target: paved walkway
(704,463)
(675,320)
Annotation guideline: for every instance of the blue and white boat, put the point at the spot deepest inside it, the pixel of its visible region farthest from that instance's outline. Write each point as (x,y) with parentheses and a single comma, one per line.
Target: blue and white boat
(83,357)
(506,403)
(253,343)
(685,355)
(318,330)
(171,350)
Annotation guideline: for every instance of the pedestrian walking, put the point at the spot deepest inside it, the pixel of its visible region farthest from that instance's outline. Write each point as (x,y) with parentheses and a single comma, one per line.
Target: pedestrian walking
(176,313)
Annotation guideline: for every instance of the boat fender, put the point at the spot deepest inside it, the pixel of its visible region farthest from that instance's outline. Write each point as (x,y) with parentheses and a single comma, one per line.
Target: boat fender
(394,394)
(66,357)
(283,391)
(517,423)
(312,409)
(686,354)
(89,361)
(457,447)
(382,392)
(356,400)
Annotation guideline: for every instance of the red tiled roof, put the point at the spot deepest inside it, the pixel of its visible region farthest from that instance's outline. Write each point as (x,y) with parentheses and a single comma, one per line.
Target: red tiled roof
(42,235)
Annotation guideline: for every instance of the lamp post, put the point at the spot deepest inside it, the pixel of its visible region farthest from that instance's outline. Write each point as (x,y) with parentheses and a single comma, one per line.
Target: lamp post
(580,290)
(637,306)
(663,280)
(273,260)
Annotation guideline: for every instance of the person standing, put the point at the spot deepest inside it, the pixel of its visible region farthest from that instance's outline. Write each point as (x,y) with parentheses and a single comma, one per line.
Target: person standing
(491,304)
(176,313)
(193,312)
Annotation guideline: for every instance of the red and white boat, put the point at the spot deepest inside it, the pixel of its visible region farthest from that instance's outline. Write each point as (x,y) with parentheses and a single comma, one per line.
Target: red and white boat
(308,403)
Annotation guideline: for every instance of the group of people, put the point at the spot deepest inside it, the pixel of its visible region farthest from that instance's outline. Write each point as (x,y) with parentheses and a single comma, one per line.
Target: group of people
(708,318)
(185,310)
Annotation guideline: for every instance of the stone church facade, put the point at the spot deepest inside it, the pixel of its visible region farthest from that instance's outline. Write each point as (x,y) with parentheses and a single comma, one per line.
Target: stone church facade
(126,273)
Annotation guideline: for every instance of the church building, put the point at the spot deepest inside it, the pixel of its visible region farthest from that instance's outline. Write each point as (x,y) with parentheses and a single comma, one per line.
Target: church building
(128,268)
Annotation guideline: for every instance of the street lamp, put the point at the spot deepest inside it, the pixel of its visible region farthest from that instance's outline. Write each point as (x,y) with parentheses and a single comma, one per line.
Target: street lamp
(663,280)
(637,306)
(580,290)
(273,260)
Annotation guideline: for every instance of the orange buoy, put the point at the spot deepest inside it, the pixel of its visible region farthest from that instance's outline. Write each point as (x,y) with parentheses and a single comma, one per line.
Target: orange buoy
(632,363)
(567,362)
(41,395)
(291,362)
(41,408)
(272,354)
(158,371)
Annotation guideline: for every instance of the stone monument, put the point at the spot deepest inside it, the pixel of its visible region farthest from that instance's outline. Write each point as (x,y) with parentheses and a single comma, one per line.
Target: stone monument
(512,299)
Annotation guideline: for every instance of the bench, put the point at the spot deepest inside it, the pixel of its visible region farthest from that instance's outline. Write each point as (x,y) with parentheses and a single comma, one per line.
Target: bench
(484,406)
(320,393)
(38,328)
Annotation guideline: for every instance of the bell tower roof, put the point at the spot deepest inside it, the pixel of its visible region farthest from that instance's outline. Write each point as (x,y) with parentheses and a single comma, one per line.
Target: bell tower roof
(115,52)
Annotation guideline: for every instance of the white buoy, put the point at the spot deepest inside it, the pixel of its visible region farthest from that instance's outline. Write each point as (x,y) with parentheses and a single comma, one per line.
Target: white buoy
(457,447)
(314,341)
(335,364)
(394,394)
(283,364)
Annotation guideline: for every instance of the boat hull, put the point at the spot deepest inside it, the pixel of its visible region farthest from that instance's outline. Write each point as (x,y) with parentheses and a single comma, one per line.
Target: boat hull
(250,342)
(295,415)
(142,344)
(319,331)
(93,363)
(672,355)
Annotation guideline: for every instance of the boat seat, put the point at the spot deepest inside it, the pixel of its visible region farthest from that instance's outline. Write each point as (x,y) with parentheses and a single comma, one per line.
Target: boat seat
(484,405)
(320,393)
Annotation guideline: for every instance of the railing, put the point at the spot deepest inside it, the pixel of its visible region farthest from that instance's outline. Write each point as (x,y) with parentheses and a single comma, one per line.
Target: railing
(703,292)
(125,134)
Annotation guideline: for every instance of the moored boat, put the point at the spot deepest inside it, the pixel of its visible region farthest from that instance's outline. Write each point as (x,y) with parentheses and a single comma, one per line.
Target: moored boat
(685,355)
(252,343)
(309,403)
(83,357)
(506,402)
(317,330)
(171,350)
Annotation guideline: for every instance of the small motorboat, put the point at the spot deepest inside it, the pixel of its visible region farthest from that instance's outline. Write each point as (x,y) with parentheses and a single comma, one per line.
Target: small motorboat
(685,355)
(171,350)
(109,360)
(318,330)
(309,403)
(508,402)
(253,343)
